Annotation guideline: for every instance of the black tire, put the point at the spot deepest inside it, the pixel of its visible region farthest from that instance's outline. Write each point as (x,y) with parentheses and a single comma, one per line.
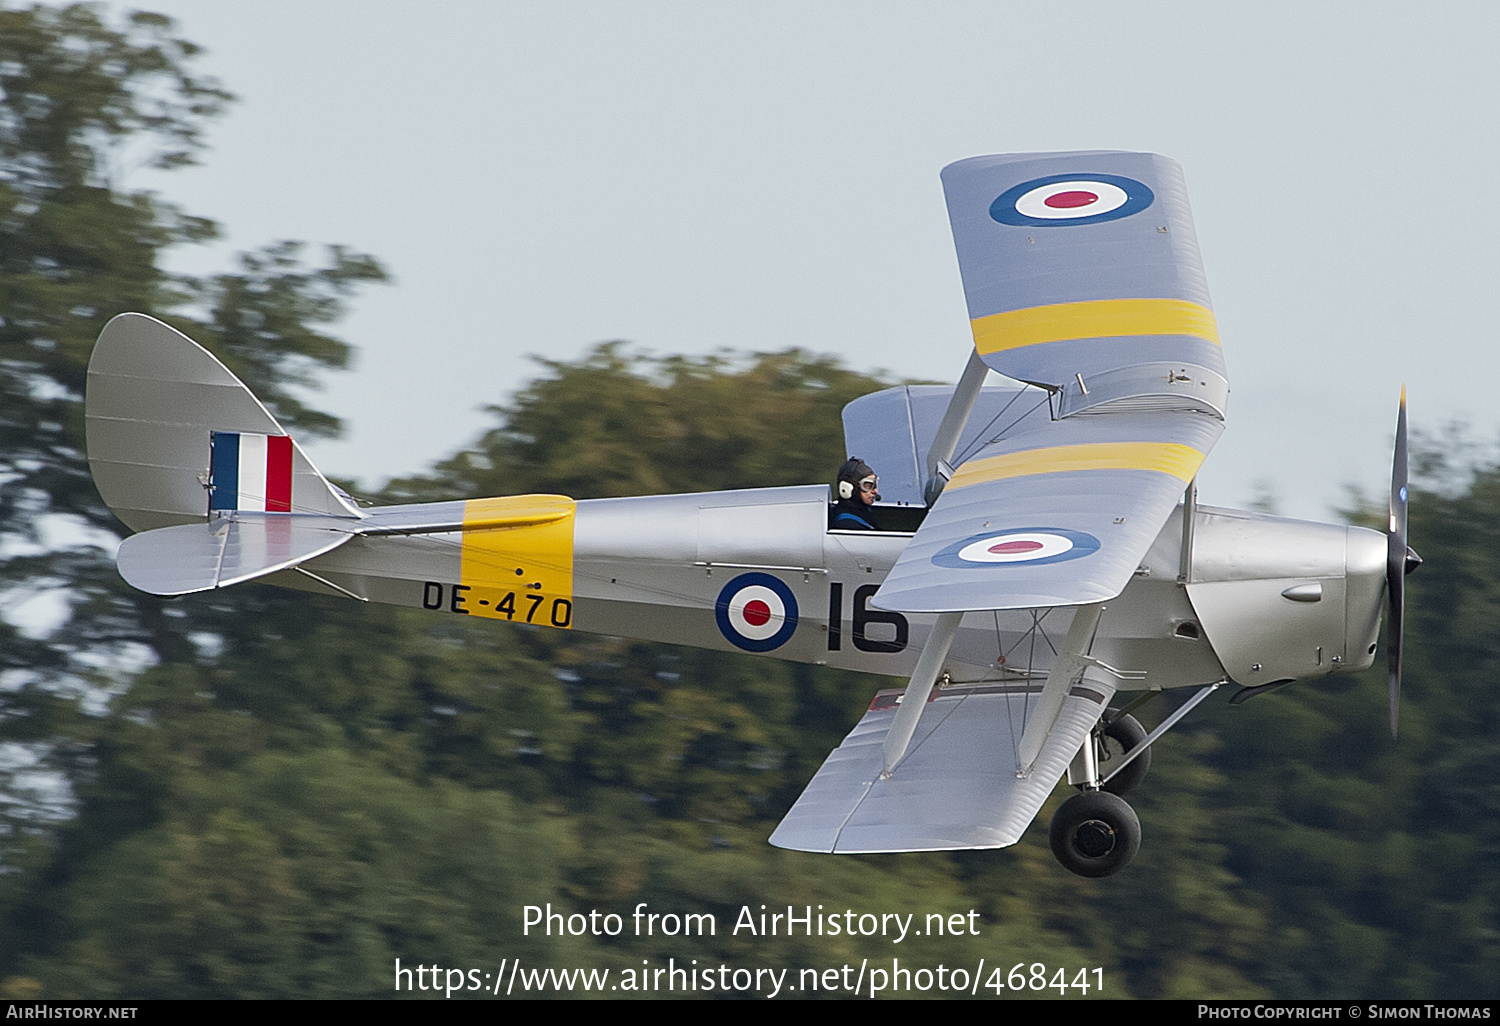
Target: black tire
(1095,834)
(1123,733)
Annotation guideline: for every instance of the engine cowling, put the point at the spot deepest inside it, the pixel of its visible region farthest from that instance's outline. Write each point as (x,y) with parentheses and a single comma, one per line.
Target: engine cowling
(1283,599)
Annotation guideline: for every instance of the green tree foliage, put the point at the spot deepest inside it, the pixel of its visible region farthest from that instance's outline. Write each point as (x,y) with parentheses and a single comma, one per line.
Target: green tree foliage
(297,874)
(623,423)
(83,102)
(76,100)
(1375,859)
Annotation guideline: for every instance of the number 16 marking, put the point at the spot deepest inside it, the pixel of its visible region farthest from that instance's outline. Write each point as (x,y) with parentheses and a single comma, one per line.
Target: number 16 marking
(861,619)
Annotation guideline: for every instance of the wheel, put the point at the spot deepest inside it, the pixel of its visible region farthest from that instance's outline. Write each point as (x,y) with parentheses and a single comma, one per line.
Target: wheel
(1123,733)
(1095,834)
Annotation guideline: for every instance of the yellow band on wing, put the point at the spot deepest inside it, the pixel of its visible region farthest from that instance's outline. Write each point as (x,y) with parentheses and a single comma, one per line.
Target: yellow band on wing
(1096,319)
(517,561)
(1181,461)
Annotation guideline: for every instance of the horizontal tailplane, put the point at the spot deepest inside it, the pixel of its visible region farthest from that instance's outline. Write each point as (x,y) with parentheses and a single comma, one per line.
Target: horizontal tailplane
(200,557)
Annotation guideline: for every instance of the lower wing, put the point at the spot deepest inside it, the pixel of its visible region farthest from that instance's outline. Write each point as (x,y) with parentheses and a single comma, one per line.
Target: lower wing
(958,785)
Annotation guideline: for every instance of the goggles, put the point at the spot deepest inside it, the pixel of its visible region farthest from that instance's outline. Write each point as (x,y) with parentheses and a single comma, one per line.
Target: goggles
(869,484)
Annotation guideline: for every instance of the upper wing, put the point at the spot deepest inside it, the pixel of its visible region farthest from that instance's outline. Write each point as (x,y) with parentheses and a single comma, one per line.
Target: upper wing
(1080,263)
(1082,276)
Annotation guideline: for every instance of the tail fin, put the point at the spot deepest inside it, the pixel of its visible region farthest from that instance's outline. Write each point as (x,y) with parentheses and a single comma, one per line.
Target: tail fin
(173,434)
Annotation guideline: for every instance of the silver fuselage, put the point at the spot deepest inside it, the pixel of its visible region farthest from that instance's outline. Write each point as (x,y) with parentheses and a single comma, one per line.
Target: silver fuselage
(1264,599)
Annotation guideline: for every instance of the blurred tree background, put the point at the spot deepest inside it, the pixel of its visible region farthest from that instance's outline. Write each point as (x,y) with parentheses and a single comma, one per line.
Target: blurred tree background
(241,795)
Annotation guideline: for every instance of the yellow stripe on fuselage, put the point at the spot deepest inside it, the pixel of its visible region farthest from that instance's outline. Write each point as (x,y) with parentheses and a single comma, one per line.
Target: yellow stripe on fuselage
(517,561)
(1101,318)
(1181,461)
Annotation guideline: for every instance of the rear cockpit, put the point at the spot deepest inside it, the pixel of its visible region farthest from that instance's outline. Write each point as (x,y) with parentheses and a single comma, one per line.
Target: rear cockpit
(888,518)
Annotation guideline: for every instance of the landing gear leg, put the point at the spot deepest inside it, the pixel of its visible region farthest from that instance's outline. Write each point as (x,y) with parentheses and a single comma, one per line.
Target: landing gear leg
(1096,833)
(1115,739)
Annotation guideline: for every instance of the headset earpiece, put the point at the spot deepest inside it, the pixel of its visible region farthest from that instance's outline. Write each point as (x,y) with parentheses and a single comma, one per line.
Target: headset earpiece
(846,490)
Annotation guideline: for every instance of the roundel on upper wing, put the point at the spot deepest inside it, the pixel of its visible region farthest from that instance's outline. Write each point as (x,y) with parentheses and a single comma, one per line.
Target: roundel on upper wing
(1030,545)
(1059,200)
(756,612)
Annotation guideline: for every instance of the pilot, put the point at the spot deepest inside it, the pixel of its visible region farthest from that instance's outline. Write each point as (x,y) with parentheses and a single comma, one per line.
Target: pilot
(858,491)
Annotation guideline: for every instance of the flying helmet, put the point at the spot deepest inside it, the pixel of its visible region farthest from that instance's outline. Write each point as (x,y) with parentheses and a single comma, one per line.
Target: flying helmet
(855,476)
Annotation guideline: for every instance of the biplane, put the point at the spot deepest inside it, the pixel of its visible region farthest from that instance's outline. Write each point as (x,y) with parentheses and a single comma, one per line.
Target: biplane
(1039,562)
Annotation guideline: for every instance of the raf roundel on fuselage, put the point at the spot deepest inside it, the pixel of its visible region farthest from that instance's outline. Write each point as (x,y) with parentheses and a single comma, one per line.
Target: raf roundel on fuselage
(756,612)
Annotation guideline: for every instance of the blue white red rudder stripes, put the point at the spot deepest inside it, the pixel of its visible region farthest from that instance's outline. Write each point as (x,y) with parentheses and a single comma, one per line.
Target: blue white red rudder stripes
(250,472)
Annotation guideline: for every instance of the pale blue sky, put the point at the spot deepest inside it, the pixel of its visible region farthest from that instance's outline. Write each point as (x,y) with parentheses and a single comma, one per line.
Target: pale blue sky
(691,176)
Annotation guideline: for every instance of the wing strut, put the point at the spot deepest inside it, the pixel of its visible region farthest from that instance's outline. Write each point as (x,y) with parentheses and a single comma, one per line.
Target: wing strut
(917,692)
(952,426)
(1189,522)
(1071,660)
